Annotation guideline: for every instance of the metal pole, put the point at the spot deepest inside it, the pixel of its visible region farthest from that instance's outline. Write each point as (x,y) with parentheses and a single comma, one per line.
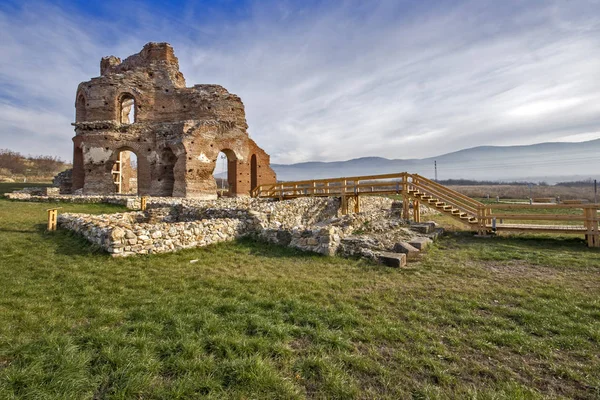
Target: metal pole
(435,167)
(595,191)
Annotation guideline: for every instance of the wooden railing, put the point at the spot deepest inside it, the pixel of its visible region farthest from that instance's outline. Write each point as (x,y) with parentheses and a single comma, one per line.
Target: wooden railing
(335,186)
(502,217)
(481,217)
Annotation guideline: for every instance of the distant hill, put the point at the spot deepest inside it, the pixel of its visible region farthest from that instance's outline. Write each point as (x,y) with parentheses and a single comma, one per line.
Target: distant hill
(549,162)
(15,166)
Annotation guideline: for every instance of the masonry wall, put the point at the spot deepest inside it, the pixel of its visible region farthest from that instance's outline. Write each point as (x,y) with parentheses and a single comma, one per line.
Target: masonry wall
(177,132)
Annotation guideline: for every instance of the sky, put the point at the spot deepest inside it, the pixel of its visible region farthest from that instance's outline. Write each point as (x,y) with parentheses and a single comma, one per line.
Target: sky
(324,80)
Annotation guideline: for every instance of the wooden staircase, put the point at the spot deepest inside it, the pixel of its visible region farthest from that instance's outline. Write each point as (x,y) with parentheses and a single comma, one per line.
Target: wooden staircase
(443,199)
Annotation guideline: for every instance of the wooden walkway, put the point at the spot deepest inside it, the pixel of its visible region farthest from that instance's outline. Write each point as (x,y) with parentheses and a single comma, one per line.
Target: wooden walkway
(416,190)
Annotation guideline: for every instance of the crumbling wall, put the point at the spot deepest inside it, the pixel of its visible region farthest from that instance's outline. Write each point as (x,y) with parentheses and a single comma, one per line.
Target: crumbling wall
(177,132)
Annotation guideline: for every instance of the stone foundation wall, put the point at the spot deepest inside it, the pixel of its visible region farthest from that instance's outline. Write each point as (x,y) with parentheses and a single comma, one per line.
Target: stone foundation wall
(127,234)
(310,224)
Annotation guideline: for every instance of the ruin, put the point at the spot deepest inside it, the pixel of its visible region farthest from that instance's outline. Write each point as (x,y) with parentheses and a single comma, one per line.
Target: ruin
(141,105)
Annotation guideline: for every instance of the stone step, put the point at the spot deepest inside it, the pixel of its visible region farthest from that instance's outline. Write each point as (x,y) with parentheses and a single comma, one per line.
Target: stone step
(394,260)
(425,228)
(412,253)
(420,243)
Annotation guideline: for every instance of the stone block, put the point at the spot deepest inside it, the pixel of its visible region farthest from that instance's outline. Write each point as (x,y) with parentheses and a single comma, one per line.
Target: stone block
(424,228)
(394,260)
(411,251)
(420,243)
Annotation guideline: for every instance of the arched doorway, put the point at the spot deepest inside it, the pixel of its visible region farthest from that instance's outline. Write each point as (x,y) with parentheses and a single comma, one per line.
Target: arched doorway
(127,109)
(80,108)
(225,173)
(125,173)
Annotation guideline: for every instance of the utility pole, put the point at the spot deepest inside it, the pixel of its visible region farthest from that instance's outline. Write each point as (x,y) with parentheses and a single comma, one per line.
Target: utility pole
(435,167)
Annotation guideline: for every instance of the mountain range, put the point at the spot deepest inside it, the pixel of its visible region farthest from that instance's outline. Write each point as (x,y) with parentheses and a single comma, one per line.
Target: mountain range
(548,162)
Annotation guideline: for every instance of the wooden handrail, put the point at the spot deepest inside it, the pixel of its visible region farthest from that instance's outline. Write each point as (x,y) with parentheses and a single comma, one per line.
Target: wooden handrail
(446,195)
(447,198)
(472,202)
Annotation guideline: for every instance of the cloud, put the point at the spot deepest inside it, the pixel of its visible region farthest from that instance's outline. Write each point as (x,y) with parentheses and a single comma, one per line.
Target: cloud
(330,80)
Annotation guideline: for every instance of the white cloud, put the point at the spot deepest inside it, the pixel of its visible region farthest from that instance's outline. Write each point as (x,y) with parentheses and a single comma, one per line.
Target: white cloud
(342,80)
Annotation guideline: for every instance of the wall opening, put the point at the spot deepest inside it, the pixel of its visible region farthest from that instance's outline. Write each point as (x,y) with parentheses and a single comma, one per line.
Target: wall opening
(253,172)
(125,173)
(80,108)
(225,172)
(127,109)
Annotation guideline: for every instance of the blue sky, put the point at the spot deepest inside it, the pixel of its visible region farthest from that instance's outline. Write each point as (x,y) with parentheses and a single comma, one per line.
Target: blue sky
(324,80)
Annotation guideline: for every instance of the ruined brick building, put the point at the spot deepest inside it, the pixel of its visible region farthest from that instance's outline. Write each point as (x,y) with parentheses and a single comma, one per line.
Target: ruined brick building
(142,105)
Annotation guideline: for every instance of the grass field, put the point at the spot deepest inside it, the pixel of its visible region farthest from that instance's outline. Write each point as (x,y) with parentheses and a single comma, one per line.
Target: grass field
(476,318)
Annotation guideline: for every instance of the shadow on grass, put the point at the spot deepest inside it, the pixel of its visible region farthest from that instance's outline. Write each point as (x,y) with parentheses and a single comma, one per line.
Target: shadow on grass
(69,243)
(18,230)
(524,241)
(258,247)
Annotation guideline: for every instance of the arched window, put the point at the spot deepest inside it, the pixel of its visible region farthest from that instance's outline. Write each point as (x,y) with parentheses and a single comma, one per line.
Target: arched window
(80,108)
(127,109)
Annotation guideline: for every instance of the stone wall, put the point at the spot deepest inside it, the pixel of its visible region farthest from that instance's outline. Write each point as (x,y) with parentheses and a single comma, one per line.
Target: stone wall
(128,234)
(311,224)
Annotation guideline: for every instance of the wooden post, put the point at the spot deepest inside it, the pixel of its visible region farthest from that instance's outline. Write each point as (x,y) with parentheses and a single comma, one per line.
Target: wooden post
(592,235)
(327,187)
(405,200)
(417,211)
(596,233)
(143,203)
(481,223)
(344,204)
(52,218)
(357,204)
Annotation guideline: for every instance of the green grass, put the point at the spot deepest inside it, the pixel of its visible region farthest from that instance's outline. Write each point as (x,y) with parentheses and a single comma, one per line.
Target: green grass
(477,318)
(9,187)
